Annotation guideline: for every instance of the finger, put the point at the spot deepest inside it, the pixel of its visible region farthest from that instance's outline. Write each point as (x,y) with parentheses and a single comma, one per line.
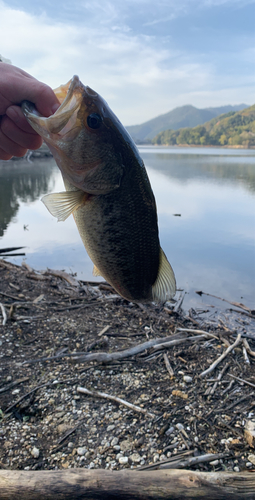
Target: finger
(16,115)
(18,136)
(9,147)
(4,155)
(40,94)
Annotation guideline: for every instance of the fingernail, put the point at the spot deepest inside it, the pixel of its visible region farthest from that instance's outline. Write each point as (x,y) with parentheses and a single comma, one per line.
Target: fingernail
(54,108)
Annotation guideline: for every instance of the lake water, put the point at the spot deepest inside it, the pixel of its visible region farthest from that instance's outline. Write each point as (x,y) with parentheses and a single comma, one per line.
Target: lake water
(210,243)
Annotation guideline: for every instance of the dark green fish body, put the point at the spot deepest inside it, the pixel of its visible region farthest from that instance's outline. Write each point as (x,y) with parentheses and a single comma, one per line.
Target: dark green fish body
(108,192)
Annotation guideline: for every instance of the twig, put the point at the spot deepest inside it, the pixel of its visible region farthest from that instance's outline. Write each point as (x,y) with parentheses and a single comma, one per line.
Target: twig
(212,391)
(105,357)
(245,355)
(228,350)
(236,304)
(98,394)
(179,302)
(105,329)
(181,462)
(248,349)
(13,384)
(3,313)
(242,380)
(168,366)
(62,274)
(171,343)
(198,332)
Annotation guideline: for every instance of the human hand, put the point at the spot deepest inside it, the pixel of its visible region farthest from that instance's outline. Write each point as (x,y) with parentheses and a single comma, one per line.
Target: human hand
(16,135)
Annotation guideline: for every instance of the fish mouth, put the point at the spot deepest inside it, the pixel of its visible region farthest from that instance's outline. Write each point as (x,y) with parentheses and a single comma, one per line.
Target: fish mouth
(64,122)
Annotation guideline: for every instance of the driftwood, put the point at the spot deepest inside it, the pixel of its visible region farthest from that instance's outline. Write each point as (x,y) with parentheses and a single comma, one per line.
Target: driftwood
(77,484)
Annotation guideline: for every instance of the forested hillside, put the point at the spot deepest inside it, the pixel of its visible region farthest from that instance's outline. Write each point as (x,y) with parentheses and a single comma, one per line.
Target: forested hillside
(183,116)
(233,129)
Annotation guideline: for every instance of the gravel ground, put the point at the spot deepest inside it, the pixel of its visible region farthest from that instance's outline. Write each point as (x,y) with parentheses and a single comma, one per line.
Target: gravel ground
(181,419)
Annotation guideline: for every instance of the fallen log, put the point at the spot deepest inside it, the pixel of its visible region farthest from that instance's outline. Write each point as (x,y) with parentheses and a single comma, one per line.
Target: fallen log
(82,484)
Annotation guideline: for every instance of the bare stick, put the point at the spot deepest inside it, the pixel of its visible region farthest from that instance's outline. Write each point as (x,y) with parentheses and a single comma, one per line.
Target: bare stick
(181,462)
(242,380)
(3,313)
(171,343)
(104,357)
(212,391)
(98,394)
(228,350)
(236,304)
(248,349)
(62,274)
(168,366)
(198,332)
(245,355)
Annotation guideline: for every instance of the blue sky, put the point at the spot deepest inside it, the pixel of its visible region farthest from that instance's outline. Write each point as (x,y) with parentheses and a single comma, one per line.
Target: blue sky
(144,57)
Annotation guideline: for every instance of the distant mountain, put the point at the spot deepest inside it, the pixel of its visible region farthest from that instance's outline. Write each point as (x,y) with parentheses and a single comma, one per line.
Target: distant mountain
(184,116)
(229,129)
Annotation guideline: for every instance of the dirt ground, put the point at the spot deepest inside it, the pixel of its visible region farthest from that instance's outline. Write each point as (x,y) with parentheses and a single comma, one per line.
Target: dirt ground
(53,329)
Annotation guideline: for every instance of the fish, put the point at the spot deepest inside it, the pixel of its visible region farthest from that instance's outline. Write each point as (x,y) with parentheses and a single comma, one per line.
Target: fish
(108,192)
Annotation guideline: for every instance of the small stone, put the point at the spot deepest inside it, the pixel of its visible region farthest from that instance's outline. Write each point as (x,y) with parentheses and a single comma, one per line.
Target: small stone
(156,458)
(196,439)
(179,427)
(135,458)
(236,469)
(169,431)
(126,445)
(187,379)
(81,451)
(110,428)
(249,432)
(70,445)
(123,460)
(116,447)
(114,441)
(251,458)
(91,465)
(35,452)
(214,462)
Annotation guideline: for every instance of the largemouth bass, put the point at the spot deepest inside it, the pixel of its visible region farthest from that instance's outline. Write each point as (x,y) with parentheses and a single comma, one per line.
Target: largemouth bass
(107,191)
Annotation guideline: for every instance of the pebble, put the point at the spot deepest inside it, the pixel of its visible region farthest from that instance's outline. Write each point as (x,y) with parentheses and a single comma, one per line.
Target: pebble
(169,431)
(236,469)
(110,427)
(187,379)
(35,452)
(214,462)
(179,427)
(251,458)
(114,441)
(81,451)
(135,458)
(123,460)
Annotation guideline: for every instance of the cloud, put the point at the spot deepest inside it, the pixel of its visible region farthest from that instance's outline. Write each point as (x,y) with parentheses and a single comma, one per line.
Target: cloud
(141,75)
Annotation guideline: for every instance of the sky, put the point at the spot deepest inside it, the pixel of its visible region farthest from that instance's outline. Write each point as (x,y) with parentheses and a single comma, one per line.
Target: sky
(145,57)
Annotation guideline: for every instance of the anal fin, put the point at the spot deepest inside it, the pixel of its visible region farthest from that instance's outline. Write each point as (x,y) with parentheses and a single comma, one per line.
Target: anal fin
(164,287)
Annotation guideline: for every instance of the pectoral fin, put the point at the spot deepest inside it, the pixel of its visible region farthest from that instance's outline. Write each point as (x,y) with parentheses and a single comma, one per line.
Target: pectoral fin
(164,287)
(61,205)
(96,272)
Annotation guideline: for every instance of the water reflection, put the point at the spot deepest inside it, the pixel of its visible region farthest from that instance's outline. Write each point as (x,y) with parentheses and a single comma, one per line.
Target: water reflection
(217,169)
(22,181)
(211,246)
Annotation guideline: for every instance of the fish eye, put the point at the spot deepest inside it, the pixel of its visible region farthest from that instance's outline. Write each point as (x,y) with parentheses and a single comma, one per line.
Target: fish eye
(94,120)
